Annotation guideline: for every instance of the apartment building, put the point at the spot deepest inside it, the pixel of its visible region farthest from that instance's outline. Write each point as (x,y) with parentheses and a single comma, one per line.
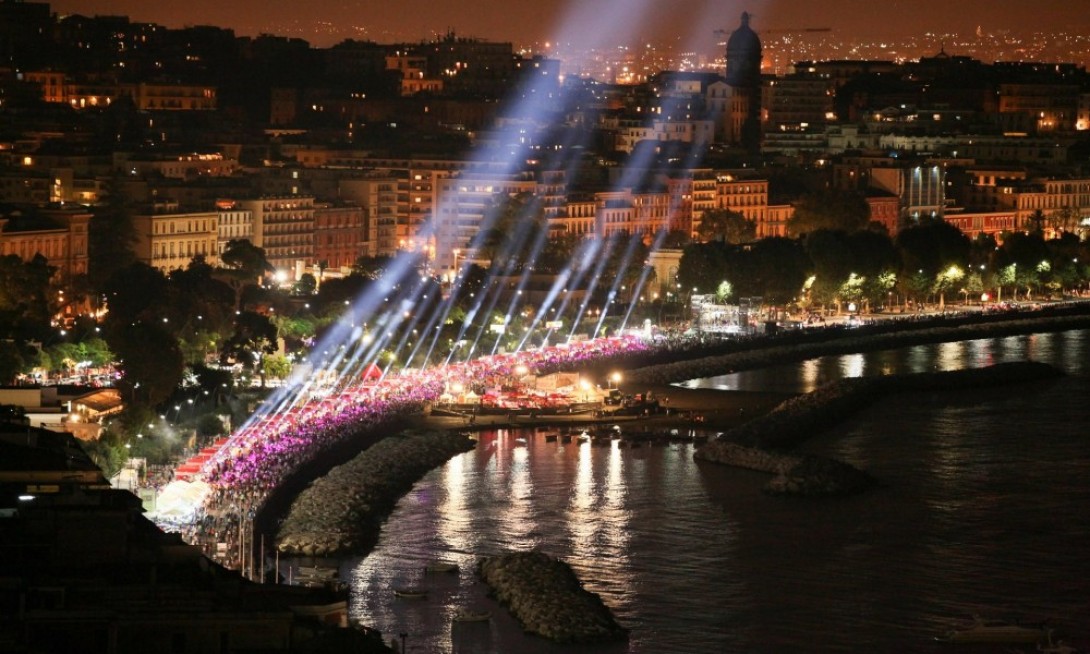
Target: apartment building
(168,236)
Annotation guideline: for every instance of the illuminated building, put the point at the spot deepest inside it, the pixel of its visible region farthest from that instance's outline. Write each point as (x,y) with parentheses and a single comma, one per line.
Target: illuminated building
(234,224)
(284,228)
(340,236)
(747,196)
(57,233)
(376,195)
(168,237)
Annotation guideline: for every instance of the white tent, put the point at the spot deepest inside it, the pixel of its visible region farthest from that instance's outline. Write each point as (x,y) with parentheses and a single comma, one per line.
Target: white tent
(558,380)
(179,499)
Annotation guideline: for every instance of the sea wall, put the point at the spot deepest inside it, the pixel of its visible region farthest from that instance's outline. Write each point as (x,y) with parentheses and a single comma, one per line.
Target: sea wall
(846,343)
(547,598)
(761,443)
(340,512)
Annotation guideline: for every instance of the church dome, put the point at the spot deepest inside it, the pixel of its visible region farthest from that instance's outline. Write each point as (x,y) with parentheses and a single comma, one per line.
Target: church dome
(744,56)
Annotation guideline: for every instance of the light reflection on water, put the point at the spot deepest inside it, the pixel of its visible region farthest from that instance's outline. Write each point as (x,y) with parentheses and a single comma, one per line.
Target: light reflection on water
(1066,350)
(981,510)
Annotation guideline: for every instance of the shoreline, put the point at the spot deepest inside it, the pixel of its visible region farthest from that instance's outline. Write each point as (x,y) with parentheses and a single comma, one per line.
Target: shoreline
(721,410)
(769,443)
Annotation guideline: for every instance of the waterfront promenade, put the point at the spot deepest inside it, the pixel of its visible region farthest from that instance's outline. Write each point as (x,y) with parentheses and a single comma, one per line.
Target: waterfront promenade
(304,444)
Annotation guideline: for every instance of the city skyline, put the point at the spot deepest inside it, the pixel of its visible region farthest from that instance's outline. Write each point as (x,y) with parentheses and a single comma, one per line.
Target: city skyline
(690,23)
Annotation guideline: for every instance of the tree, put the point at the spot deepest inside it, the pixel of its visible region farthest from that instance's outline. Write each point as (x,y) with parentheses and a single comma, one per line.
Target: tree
(676,239)
(930,248)
(1065,220)
(471,283)
(779,267)
(215,382)
(12,361)
(726,225)
(151,362)
(1037,220)
(948,280)
(557,253)
(306,284)
(1022,255)
(875,262)
(276,366)
(830,251)
(254,337)
(518,232)
(371,267)
(244,265)
(829,209)
(210,426)
(723,292)
(1069,255)
(703,266)
(25,307)
(135,293)
(244,257)
(199,300)
(111,235)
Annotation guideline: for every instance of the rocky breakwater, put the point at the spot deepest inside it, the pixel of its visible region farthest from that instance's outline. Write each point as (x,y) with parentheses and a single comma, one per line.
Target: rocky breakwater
(548,599)
(762,443)
(341,512)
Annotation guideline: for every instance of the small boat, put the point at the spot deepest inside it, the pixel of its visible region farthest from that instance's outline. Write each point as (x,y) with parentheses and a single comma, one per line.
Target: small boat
(441,566)
(411,593)
(472,616)
(316,572)
(995,631)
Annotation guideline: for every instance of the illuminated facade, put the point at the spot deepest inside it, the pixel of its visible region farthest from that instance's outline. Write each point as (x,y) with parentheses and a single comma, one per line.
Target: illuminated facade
(167,237)
(1052,197)
(234,224)
(284,228)
(990,223)
(464,200)
(58,234)
(184,166)
(146,96)
(340,236)
(748,197)
(377,197)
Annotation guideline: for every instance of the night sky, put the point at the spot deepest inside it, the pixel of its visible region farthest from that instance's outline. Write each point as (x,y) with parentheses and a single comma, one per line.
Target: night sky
(324,22)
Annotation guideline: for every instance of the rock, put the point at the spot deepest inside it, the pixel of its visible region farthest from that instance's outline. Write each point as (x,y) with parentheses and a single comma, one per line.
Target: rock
(548,599)
(340,512)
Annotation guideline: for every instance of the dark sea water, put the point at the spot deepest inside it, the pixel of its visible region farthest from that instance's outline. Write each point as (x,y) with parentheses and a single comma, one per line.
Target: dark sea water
(984,508)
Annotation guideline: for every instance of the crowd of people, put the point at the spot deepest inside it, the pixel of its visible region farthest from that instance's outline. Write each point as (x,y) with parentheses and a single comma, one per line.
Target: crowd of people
(273,445)
(276,443)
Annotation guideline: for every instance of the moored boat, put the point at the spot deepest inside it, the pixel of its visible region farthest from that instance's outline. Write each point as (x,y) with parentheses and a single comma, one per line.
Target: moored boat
(411,593)
(472,616)
(316,572)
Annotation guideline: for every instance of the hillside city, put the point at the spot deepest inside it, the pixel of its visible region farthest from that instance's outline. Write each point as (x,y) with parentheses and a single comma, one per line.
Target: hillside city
(264,182)
(190,219)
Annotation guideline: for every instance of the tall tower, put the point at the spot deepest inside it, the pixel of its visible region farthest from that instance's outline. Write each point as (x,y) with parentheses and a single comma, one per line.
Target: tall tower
(744,77)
